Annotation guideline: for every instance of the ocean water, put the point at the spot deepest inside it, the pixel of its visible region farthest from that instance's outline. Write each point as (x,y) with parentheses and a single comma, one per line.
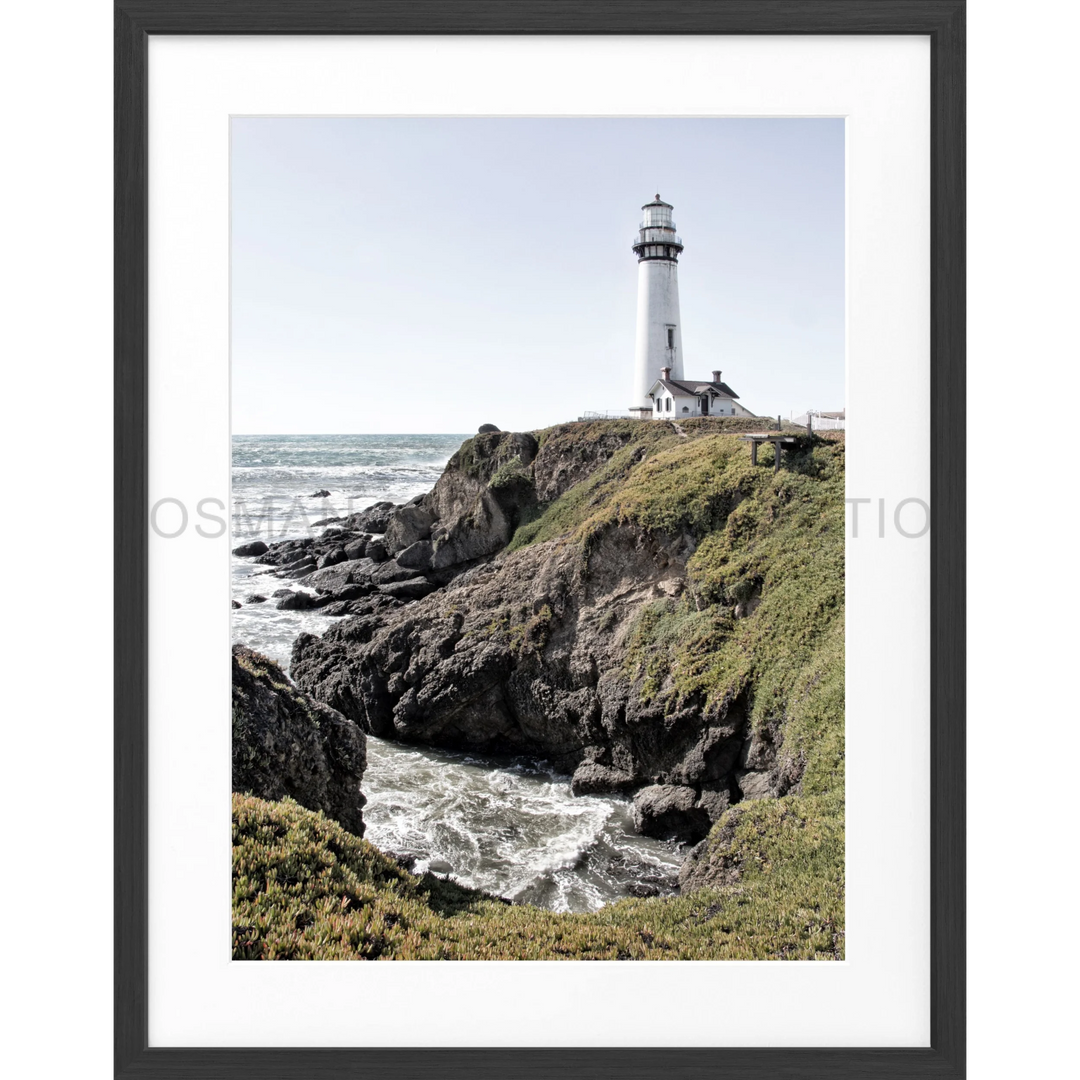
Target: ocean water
(511,827)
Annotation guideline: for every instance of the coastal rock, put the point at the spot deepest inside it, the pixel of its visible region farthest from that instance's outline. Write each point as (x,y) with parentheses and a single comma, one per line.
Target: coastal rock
(347,592)
(405,859)
(283,552)
(305,562)
(713,862)
(372,520)
(714,802)
(481,497)
(366,605)
(355,549)
(556,470)
(388,572)
(518,655)
(321,494)
(338,576)
(592,779)
(256,547)
(236,604)
(755,785)
(255,598)
(486,429)
(375,550)
(415,589)
(298,602)
(416,556)
(331,558)
(406,527)
(284,743)
(670,812)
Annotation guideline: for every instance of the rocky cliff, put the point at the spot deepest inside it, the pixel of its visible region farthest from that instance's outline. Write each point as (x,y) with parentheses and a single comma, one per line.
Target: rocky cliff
(631,600)
(284,744)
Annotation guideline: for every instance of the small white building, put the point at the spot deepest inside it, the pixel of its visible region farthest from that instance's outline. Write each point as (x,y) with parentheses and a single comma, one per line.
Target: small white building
(680,399)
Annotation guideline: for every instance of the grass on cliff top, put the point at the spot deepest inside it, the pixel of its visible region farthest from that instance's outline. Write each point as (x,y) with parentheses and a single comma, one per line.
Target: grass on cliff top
(305,889)
(689,452)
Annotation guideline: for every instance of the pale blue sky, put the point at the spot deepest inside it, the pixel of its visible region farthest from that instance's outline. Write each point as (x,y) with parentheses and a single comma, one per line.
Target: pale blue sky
(431,275)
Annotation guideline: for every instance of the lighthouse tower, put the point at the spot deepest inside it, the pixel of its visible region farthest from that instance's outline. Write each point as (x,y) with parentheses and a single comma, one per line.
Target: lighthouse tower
(659,330)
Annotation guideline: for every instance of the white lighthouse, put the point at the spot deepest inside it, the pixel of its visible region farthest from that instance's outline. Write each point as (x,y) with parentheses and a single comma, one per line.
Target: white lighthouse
(659,329)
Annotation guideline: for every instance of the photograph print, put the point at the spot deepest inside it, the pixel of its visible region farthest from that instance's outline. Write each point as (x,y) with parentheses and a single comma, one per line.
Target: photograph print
(537,590)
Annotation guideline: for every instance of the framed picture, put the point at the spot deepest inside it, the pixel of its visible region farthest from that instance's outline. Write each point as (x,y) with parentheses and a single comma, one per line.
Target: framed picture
(190,85)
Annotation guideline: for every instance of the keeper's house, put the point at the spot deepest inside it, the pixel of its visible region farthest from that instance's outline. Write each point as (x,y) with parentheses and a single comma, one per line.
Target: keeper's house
(679,399)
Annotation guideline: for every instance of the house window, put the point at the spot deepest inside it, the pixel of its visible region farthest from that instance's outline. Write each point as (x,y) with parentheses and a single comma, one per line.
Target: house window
(686,408)
(671,337)
(668,405)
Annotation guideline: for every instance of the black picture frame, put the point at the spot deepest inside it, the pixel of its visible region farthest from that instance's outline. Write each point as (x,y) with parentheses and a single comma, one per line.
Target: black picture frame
(944,22)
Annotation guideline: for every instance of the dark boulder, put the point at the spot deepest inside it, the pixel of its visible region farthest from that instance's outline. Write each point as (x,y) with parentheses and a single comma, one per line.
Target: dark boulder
(298,601)
(339,608)
(715,861)
(591,779)
(354,549)
(416,589)
(236,603)
(374,519)
(416,556)
(408,525)
(670,812)
(375,550)
(321,494)
(484,429)
(366,605)
(303,563)
(349,592)
(256,547)
(331,558)
(255,598)
(300,572)
(286,744)
(755,785)
(714,802)
(388,572)
(337,576)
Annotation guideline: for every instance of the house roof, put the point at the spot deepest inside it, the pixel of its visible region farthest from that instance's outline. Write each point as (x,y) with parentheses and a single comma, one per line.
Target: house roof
(687,388)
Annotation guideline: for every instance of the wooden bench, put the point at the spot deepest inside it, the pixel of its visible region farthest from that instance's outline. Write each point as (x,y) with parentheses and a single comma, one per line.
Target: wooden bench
(755,439)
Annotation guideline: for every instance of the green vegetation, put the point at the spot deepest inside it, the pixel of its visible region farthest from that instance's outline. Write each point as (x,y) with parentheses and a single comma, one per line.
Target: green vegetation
(510,472)
(305,889)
